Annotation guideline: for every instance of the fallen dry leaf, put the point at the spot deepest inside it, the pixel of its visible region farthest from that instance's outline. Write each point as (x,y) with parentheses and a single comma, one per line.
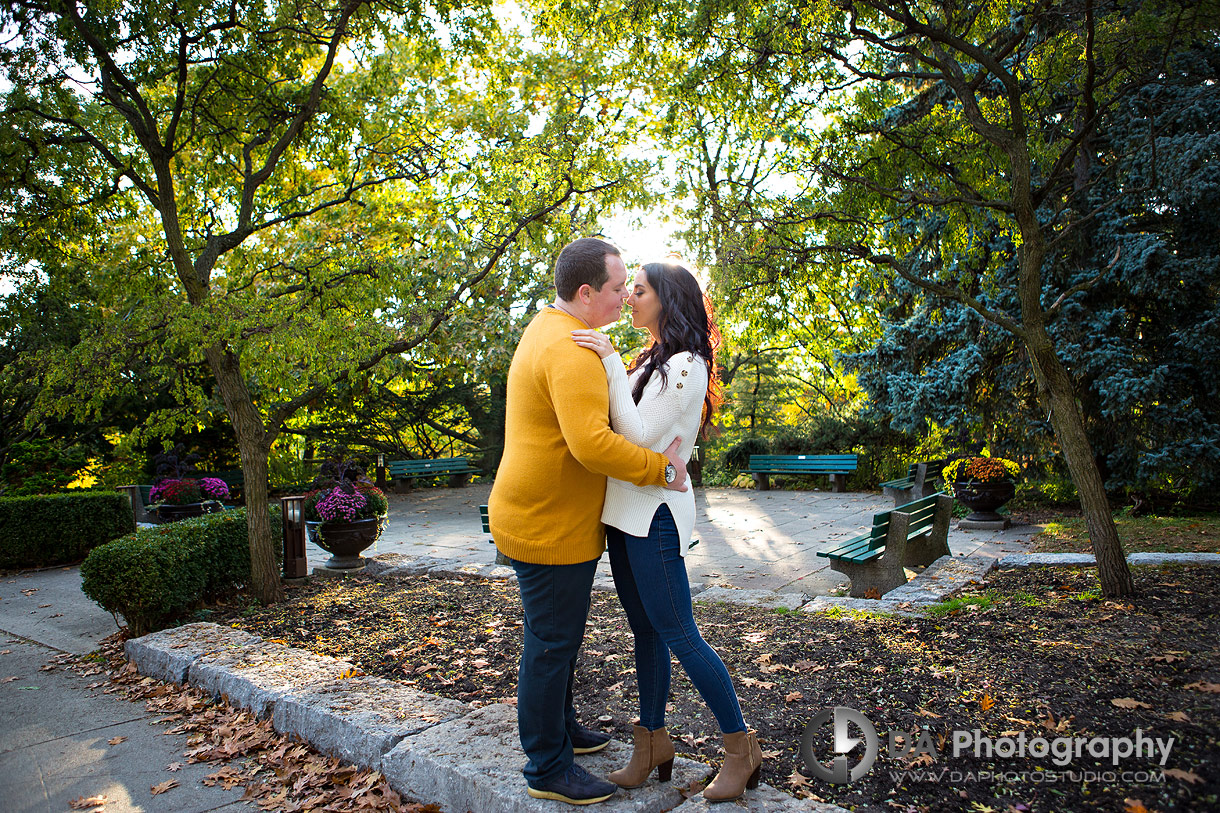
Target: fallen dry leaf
(926,713)
(1204,686)
(792,696)
(87,802)
(762,684)
(168,784)
(1129,703)
(1060,725)
(986,702)
(173,766)
(116,740)
(1179,717)
(1135,806)
(1185,776)
(1168,658)
(797,780)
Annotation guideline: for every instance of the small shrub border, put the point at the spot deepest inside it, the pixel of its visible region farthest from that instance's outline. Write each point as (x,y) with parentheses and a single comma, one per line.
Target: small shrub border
(56,529)
(154,577)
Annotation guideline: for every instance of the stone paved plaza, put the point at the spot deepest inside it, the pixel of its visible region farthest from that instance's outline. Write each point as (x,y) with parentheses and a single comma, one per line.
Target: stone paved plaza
(747,539)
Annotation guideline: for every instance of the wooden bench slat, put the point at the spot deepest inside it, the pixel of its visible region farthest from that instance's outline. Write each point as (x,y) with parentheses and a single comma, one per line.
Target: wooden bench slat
(452,467)
(861,558)
(838,466)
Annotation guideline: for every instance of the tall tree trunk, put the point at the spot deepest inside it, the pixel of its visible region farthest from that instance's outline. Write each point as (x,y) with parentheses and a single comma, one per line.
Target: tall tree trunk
(1057,391)
(254,443)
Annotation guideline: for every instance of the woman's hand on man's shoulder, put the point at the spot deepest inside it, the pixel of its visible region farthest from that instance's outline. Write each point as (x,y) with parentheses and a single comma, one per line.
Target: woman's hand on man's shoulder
(595,340)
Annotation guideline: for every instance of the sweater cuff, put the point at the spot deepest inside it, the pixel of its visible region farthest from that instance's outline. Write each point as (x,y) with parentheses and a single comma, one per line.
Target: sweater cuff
(664,463)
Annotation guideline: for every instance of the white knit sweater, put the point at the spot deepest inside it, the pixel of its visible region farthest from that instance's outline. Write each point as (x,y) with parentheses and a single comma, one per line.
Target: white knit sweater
(664,412)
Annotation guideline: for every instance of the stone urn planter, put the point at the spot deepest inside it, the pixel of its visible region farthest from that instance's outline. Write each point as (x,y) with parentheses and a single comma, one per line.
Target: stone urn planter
(174,513)
(984,499)
(345,541)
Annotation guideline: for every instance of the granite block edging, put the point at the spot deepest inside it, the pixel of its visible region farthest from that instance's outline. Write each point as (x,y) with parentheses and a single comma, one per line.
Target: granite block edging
(259,675)
(360,719)
(429,748)
(475,762)
(1025,560)
(758,598)
(167,655)
(763,799)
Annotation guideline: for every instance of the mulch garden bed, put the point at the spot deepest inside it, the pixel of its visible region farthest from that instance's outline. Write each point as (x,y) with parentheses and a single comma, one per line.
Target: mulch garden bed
(1036,653)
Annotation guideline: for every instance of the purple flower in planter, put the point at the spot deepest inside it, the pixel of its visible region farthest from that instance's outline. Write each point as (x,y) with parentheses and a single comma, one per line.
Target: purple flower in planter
(214,488)
(341,505)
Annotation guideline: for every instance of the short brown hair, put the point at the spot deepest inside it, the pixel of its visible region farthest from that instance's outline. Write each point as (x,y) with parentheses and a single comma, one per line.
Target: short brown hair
(582,261)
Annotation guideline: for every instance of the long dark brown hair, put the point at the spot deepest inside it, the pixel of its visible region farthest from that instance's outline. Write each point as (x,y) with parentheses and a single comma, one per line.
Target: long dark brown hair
(686,325)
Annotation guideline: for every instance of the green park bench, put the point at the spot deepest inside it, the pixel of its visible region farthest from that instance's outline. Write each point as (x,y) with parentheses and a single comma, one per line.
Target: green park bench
(501,559)
(922,480)
(234,479)
(911,535)
(837,466)
(457,469)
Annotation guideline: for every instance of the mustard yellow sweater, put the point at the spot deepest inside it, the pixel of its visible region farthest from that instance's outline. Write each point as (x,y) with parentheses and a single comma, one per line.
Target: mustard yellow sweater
(546,504)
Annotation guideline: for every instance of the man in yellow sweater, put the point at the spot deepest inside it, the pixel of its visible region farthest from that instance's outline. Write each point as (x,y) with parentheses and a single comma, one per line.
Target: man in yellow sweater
(546,504)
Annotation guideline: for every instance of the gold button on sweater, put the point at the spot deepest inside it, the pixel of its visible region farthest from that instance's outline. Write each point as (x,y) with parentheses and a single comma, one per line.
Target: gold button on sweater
(546,504)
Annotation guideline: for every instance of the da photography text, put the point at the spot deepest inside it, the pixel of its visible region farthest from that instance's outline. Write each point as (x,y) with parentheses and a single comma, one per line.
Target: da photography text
(852,728)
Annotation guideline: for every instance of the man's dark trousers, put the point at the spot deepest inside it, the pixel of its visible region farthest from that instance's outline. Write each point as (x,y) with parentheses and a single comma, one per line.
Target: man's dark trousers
(556,603)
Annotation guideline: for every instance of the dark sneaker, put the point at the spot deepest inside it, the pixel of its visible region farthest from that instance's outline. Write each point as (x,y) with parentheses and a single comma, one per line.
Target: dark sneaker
(586,740)
(576,787)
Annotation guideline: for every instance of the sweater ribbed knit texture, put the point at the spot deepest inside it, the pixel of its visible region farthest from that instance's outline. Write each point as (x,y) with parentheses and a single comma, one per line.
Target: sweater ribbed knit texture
(545,507)
(665,411)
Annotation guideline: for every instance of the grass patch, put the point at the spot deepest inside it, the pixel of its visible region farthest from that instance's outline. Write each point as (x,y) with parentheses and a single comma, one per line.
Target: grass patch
(957,603)
(852,614)
(1147,534)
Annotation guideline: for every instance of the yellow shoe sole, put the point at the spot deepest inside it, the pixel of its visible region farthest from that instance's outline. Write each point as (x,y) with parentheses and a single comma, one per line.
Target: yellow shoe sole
(559,797)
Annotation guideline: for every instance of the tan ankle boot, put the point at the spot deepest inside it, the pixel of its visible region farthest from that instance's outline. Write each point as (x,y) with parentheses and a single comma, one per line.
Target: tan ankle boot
(742,766)
(652,749)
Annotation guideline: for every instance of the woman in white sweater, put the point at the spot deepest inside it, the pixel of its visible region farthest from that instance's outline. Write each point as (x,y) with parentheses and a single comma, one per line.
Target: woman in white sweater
(670,391)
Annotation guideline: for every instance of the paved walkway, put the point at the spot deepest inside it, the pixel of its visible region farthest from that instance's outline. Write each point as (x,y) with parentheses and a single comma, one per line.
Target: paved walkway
(56,731)
(748,539)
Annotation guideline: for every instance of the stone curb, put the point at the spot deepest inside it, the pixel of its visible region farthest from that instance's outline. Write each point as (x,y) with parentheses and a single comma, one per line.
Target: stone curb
(362,718)
(257,676)
(944,577)
(939,580)
(474,763)
(168,655)
(757,598)
(763,799)
(428,747)
(1024,560)
(880,606)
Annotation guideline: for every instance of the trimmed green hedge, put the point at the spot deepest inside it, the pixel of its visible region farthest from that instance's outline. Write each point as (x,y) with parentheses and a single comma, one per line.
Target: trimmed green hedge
(153,577)
(55,529)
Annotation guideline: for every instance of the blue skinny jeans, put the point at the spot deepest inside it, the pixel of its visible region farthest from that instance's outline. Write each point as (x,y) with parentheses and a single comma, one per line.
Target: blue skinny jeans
(650,576)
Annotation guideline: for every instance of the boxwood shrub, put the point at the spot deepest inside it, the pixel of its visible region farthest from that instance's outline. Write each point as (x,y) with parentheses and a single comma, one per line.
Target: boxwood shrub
(55,529)
(156,576)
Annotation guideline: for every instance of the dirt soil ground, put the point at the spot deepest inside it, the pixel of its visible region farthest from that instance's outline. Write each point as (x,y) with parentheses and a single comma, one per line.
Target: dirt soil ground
(1028,656)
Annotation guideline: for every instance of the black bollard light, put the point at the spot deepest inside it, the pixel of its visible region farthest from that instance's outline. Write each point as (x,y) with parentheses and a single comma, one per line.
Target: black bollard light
(295,564)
